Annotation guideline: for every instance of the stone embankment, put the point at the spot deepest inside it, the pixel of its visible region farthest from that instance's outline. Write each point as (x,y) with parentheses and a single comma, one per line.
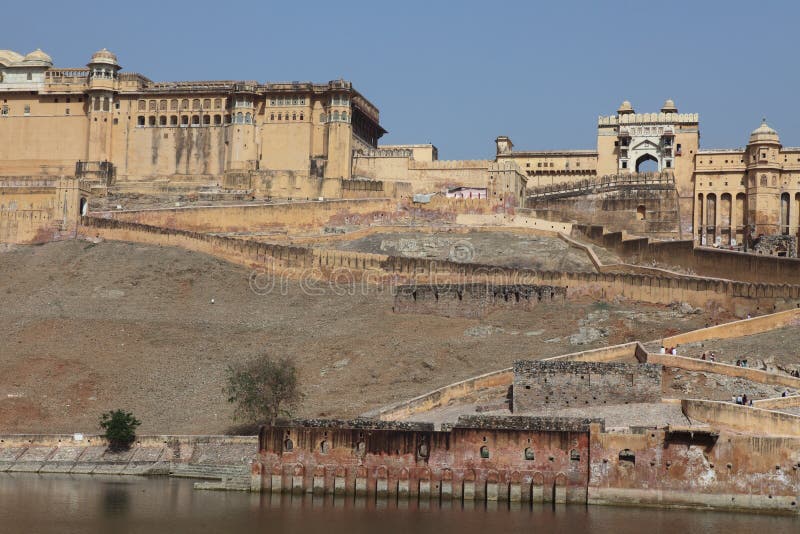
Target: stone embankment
(223,460)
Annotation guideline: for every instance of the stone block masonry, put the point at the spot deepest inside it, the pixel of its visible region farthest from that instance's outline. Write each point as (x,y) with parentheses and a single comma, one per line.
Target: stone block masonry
(550,385)
(530,459)
(473,300)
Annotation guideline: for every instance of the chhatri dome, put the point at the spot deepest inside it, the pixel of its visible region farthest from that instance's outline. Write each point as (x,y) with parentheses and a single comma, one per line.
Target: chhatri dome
(669,106)
(104,56)
(39,58)
(625,108)
(764,134)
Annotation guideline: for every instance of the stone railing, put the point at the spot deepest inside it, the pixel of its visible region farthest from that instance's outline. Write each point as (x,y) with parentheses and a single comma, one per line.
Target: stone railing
(613,182)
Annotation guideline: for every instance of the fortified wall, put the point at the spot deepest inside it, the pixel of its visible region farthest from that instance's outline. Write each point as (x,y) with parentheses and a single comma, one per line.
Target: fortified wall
(473,300)
(548,385)
(530,459)
(425,173)
(640,203)
(38,210)
(739,297)
(719,264)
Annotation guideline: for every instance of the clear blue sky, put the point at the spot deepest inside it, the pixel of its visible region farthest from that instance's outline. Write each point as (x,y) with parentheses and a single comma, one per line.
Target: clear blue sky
(460,73)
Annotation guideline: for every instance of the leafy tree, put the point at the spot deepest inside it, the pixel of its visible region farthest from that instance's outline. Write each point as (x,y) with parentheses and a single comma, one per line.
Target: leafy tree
(120,429)
(263,389)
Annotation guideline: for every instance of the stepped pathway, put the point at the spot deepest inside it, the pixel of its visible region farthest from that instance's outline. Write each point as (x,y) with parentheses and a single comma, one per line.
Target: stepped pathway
(222,462)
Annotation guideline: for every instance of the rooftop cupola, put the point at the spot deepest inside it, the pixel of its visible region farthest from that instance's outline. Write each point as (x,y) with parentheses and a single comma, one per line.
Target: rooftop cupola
(625,108)
(669,106)
(764,134)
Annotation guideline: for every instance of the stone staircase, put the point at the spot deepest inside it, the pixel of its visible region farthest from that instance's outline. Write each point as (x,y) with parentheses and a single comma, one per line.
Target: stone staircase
(225,477)
(225,467)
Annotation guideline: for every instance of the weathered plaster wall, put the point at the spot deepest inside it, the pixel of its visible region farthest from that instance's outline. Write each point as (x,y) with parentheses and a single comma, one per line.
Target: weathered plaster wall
(551,385)
(36,210)
(481,458)
(696,468)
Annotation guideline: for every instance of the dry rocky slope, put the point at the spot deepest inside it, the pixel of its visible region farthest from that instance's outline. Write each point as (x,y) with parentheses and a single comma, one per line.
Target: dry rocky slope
(92,327)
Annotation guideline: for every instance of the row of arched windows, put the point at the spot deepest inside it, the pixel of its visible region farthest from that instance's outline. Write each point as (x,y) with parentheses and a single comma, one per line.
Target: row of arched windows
(183,120)
(196,104)
(335,117)
(243,118)
(339,100)
(287,116)
(287,101)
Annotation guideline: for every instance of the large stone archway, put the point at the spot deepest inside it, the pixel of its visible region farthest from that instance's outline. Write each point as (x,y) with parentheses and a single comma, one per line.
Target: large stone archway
(647,162)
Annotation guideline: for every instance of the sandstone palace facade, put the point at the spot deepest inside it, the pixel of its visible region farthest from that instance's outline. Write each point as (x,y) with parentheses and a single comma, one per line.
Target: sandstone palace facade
(307,140)
(101,120)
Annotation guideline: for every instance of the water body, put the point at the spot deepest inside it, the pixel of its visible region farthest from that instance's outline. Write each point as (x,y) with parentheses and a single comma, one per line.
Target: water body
(45,504)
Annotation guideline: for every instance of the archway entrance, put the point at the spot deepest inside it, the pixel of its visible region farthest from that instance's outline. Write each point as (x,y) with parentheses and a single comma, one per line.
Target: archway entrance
(647,163)
(84,207)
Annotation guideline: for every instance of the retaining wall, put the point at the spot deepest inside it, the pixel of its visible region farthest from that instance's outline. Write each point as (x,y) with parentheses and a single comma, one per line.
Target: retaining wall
(745,418)
(746,327)
(705,366)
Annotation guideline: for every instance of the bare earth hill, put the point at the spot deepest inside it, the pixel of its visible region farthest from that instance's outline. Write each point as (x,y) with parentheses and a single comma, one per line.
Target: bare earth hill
(86,328)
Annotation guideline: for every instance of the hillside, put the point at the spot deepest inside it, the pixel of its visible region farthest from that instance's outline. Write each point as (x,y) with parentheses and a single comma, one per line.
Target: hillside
(87,328)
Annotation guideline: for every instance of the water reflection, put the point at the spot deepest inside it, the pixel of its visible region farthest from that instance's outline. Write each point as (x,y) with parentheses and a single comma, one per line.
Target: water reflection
(62,503)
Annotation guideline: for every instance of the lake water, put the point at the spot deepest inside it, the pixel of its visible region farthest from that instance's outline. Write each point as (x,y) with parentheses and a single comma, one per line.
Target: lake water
(63,504)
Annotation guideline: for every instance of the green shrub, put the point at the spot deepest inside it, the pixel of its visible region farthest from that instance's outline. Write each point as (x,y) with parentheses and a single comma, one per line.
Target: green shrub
(120,429)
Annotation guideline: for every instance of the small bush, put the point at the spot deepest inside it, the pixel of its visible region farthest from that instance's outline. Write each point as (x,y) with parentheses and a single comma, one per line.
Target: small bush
(120,429)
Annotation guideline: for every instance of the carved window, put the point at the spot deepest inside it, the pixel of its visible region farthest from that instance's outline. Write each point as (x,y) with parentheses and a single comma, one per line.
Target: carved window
(217,103)
(294,116)
(153,106)
(529,454)
(627,456)
(162,120)
(248,118)
(142,105)
(485,452)
(272,116)
(301,116)
(151,120)
(173,105)
(207,103)
(196,104)
(574,455)
(217,120)
(288,445)
(162,105)
(344,116)
(173,120)
(322,117)
(185,103)
(140,120)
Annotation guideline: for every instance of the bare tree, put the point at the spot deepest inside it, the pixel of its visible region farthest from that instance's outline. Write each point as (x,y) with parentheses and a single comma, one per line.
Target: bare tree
(263,389)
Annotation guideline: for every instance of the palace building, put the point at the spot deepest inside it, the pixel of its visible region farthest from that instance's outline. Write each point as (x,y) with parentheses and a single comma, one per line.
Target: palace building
(309,140)
(101,122)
